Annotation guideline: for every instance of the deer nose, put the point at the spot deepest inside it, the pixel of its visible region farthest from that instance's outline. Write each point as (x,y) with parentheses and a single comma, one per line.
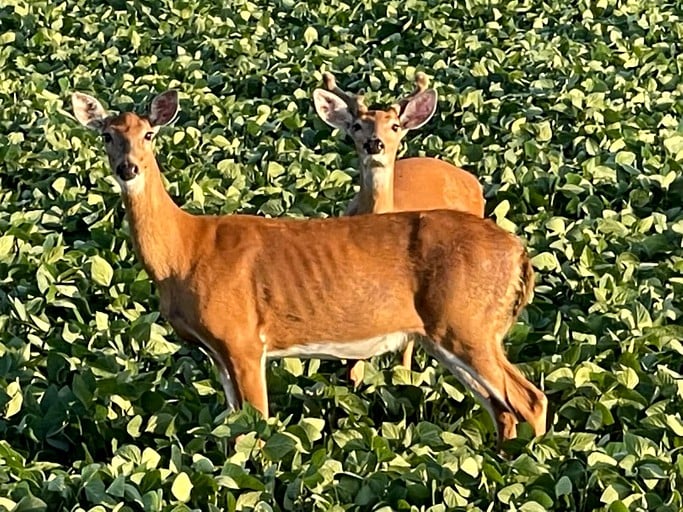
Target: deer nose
(374,146)
(127,171)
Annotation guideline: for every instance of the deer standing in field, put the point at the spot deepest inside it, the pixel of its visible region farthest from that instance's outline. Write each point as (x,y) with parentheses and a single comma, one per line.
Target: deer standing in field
(388,185)
(247,288)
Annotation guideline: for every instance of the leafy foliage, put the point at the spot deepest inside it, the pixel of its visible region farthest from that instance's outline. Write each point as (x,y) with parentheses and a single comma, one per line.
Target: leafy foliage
(571,116)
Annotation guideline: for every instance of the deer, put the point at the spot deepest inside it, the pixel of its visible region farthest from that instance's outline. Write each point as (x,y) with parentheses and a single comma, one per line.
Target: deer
(387,184)
(248,289)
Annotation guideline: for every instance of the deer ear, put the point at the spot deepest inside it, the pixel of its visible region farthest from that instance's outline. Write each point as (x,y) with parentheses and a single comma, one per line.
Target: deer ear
(418,110)
(164,108)
(88,111)
(332,109)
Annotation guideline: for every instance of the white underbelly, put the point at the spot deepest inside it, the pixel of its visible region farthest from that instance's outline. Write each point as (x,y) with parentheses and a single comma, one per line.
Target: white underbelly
(360,349)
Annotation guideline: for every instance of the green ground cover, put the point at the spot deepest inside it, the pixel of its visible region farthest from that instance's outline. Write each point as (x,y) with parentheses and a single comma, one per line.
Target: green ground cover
(570,114)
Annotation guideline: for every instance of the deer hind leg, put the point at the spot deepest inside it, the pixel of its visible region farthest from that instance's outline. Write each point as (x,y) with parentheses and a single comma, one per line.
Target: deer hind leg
(526,400)
(502,389)
(515,396)
(482,390)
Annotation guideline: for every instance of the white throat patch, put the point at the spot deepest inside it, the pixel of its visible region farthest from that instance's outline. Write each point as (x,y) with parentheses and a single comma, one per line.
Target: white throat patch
(132,187)
(375,161)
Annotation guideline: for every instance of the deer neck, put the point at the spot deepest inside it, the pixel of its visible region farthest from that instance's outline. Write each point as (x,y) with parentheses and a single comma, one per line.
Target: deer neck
(377,184)
(160,230)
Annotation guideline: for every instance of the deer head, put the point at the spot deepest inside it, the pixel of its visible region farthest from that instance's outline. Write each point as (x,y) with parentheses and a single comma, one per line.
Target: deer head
(375,133)
(127,137)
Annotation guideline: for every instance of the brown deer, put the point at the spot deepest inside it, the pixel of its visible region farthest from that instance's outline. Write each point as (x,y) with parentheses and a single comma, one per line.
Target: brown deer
(248,288)
(388,185)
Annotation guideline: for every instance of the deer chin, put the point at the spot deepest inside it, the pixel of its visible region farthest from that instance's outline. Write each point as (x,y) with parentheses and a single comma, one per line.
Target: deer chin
(133,186)
(379,160)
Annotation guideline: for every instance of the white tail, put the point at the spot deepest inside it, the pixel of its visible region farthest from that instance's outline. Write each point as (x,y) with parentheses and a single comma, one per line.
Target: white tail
(249,288)
(388,185)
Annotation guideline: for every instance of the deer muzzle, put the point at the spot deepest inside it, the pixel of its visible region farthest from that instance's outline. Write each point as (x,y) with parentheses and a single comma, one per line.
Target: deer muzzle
(127,171)
(374,146)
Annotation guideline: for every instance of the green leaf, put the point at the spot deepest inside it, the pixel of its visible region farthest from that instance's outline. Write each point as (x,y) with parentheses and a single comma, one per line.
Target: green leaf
(532,506)
(545,133)
(7,38)
(278,446)
(16,399)
(100,271)
(563,487)
(452,499)
(7,504)
(675,424)
(313,427)
(134,425)
(674,143)
(508,493)
(625,158)
(117,487)
(470,466)
(310,35)
(618,506)
(150,458)
(545,261)
(609,495)
(628,378)
(30,504)
(6,244)
(182,487)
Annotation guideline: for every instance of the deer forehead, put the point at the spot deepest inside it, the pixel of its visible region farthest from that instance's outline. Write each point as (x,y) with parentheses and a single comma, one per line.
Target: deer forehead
(128,124)
(379,122)
(379,117)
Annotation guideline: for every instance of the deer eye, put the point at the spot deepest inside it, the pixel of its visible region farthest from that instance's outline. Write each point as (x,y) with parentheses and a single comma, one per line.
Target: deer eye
(356,127)
(396,127)
(106,137)
(149,135)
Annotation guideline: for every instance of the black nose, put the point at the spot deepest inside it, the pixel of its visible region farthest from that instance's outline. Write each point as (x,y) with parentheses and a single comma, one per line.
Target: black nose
(126,171)
(374,146)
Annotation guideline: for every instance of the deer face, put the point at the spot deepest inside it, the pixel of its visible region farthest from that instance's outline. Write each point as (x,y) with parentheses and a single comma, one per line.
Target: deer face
(127,140)
(376,133)
(127,137)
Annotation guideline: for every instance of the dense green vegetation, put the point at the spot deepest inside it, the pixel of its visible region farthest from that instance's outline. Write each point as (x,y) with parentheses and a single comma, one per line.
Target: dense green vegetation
(572,116)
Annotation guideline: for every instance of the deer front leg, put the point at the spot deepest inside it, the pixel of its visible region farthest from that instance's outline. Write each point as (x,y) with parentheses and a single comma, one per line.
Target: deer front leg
(408,354)
(248,372)
(231,399)
(209,344)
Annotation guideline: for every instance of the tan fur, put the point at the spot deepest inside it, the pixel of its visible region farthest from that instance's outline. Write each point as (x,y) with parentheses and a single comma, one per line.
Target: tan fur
(410,184)
(247,285)
(432,184)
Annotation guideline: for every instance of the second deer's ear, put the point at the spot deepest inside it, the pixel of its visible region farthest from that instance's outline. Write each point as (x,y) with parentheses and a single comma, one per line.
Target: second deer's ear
(418,110)
(164,108)
(332,109)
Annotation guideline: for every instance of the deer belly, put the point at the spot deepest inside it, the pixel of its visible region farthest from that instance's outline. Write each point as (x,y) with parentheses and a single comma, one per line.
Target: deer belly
(360,349)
